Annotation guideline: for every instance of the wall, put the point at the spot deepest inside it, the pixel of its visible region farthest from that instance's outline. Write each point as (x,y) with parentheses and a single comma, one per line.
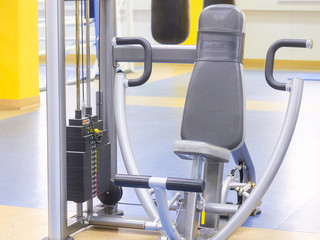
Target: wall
(19,78)
(269,20)
(266,21)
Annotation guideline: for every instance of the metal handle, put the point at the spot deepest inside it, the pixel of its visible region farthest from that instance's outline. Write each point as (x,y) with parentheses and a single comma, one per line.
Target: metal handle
(147,58)
(178,184)
(298,43)
(134,181)
(186,185)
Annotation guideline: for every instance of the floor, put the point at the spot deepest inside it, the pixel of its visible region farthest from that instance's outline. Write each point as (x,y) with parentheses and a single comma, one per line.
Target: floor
(31,224)
(154,112)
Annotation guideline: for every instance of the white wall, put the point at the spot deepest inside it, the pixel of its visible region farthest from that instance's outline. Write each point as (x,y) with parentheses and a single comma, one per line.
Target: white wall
(269,20)
(279,5)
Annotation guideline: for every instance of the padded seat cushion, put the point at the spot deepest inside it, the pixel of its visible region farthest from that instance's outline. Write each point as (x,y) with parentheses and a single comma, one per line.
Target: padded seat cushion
(214,110)
(189,150)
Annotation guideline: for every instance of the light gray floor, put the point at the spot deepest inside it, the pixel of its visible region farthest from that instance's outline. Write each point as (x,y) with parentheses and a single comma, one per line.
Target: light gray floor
(290,204)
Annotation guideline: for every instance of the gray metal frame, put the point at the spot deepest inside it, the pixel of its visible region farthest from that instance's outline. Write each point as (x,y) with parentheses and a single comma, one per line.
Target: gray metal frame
(56,112)
(275,162)
(59,226)
(160,53)
(56,120)
(143,195)
(107,31)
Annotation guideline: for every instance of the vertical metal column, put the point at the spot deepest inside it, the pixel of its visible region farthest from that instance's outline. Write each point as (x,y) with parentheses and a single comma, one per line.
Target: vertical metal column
(192,215)
(107,10)
(213,176)
(89,202)
(56,120)
(79,206)
(88,52)
(77,54)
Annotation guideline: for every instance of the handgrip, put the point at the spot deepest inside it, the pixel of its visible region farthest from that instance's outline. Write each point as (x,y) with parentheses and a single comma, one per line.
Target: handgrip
(178,184)
(298,43)
(186,185)
(134,181)
(147,58)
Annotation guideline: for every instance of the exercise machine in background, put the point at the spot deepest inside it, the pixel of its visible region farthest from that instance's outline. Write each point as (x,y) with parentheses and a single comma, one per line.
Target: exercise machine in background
(200,202)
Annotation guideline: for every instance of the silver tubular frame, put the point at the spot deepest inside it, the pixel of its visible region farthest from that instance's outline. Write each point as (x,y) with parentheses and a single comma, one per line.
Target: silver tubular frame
(160,53)
(107,31)
(113,109)
(164,214)
(117,221)
(56,120)
(88,72)
(221,208)
(191,221)
(213,177)
(144,195)
(88,53)
(277,157)
(225,188)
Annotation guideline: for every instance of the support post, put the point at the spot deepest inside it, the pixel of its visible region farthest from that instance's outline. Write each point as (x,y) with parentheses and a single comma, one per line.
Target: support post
(56,120)
(213,176)
(88,52)
(77,54)
(107,10)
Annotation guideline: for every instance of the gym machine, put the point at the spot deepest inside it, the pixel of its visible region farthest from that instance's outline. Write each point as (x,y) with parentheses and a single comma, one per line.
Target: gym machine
(198,210)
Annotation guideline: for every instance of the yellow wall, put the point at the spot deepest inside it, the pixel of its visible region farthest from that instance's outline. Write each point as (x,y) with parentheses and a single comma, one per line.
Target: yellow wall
(19,61)
(28,48)
(195,10)
(9,55)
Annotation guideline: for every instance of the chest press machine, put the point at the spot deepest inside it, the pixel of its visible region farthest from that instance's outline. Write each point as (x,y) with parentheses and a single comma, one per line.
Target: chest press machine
(213,128)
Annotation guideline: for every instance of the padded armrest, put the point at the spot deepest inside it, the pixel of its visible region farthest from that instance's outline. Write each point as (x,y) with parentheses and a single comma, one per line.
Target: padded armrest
(189,150)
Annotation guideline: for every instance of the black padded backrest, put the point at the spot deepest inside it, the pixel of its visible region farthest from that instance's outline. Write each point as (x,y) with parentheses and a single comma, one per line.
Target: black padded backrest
(214,110)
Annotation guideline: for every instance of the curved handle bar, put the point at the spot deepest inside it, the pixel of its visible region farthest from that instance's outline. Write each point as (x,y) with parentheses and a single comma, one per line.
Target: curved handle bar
(298,43)
(147,58)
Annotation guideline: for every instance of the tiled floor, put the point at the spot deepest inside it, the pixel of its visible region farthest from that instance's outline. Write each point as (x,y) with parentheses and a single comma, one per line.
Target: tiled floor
(154,112)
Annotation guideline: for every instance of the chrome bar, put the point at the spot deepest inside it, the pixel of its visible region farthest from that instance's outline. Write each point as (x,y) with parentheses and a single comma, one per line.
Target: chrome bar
(77,54)
(191,214)
(221,208)
(117,221)
(89,206)
(88,52)
(107,31)
(237,184)
(79,209)
(74,225)
(143,195)
(225,188)
(160,53)
(165,216)
(213,176)
(174,199)
(56,120)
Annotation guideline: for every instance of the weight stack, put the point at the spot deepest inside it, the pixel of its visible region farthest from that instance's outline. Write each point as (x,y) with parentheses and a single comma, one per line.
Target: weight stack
(88,162)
